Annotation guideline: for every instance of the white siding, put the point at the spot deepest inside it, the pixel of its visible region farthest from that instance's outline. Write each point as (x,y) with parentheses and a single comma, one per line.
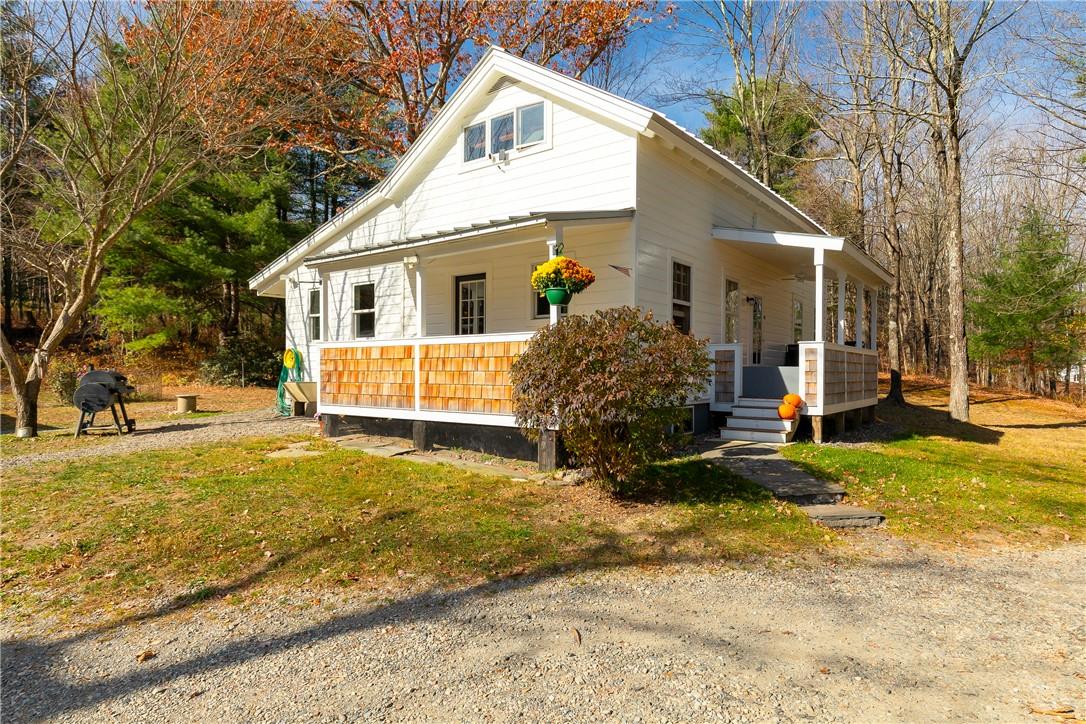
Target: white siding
(297,322)
(678,203)
(584,164)
(509,297)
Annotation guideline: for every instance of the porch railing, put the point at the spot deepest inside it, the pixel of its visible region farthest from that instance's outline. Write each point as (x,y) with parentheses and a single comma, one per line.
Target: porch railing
(726,378)
(456,379)
(837,377)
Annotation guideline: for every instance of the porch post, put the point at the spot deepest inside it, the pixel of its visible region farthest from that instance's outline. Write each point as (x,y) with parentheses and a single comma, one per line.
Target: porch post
(420,327)
(859,314)
(874,318)
(820,297)
(553,246)
(841,281)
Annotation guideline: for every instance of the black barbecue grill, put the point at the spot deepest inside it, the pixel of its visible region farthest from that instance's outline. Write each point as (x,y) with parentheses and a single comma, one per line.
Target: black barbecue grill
(98,391)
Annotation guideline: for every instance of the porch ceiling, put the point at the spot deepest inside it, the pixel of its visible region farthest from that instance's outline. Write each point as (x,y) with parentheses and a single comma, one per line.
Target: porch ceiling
(511,228)
(796,254)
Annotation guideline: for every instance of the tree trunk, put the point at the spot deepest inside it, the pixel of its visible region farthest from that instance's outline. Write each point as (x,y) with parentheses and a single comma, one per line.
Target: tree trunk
(26,407)
(955,250)
(893,331)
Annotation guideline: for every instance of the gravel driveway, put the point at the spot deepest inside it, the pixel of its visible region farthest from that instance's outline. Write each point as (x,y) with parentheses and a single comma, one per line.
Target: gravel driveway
(159,434)
(906,635)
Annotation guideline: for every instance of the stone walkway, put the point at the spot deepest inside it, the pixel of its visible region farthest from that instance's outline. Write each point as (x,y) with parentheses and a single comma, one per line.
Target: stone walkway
(763,464)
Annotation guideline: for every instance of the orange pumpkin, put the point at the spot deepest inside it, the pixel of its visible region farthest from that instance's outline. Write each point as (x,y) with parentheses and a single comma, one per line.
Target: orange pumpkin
(794,400)
(786,412)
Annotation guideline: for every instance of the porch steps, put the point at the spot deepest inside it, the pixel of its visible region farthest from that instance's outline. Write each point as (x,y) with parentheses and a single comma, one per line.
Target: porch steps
(755,419)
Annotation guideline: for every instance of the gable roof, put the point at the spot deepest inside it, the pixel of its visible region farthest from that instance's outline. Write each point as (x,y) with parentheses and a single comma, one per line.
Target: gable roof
(495,64)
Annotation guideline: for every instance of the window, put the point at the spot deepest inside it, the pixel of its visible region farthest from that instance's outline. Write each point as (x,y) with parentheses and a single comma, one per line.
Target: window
(680,296)
(519,128)
(731,311)
(314,314)
(365,310)
(756,317)
(541,308)
(501,133)
(475,142)
(530,124)
(471,304)
(797,318)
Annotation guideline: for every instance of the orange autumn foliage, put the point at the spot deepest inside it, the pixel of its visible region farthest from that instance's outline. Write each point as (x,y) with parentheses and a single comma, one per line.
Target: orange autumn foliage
(360,79)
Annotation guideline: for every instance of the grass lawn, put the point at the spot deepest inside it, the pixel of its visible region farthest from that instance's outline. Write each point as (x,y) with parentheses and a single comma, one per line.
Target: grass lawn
(1016,473)
(113,535)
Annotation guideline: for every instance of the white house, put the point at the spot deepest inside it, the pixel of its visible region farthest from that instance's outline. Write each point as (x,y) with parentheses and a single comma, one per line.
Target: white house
(409,306)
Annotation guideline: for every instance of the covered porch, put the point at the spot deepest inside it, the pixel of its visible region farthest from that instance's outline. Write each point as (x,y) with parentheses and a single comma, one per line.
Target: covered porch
(835,372)
(426,330)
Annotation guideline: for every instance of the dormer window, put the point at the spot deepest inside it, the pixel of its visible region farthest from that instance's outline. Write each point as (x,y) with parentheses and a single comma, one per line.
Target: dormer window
(501,133)
(530,124)
(475,142)
(513,130)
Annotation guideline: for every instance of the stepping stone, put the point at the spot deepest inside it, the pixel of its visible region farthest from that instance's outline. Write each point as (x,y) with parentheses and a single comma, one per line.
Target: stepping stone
(843,516)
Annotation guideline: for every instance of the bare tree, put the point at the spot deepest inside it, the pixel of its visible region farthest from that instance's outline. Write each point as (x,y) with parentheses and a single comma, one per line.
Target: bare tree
(948,35)
(759,39)
(132,119)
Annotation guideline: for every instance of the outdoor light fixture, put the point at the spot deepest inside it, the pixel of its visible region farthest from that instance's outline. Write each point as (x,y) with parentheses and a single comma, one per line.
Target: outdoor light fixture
(412,260)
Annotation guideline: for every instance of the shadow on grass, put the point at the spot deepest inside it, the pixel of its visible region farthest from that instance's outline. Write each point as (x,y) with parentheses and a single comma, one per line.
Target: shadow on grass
(895,423)
(690,481)
(7,424)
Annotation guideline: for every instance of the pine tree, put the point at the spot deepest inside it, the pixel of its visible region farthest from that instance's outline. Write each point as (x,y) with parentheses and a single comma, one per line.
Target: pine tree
(1030,309)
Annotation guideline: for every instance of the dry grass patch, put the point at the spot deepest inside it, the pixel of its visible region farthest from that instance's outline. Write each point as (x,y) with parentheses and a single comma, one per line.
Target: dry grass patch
(1015,473)
(158,528)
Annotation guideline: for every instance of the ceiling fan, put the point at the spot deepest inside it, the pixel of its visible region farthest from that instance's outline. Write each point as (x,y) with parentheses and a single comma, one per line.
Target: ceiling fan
(797,277)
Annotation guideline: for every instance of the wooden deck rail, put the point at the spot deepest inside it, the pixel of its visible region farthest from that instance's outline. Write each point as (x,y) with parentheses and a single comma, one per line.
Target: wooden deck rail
(454,379)
(837,377)
(726,378)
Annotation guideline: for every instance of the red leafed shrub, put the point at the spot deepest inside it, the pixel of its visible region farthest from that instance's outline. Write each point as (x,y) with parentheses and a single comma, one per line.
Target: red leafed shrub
(614,382)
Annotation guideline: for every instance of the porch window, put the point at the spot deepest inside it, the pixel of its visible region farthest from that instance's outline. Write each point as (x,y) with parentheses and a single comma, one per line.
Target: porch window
(731,311)
(501,133)
(797,319)
(471,304)
(475,142)
(314,314)
(541,308)
(530,124)
(680,296)
(365,310)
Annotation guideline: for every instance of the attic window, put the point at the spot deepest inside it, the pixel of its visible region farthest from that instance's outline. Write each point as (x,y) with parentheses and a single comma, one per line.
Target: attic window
(530,124)
(475,142)
(513,130)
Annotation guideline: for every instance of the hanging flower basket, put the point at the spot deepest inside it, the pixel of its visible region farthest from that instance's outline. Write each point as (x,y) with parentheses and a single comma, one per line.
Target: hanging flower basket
(560,278)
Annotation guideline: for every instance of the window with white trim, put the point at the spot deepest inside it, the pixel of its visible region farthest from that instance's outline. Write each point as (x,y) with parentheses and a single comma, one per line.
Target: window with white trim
(501,133)
(530,125)
(680,296)
(522,127)
(475,142)
(314,314)
(364,313)
(731,311)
